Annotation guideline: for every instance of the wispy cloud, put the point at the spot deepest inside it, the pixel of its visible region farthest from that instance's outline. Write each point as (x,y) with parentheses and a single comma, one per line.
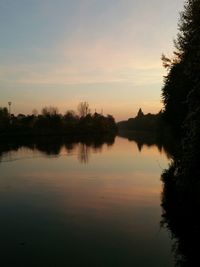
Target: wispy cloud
(83,62)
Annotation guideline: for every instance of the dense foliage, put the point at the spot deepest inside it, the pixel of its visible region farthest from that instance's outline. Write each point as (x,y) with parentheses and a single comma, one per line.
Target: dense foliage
(181,92)
(181,97)
(51,122)
(142,122)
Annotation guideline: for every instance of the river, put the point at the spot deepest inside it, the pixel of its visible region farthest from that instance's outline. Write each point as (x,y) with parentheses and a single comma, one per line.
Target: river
(83,204)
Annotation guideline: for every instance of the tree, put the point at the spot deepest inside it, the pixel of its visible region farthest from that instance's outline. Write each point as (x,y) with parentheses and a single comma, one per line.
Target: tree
(174,95)
(4,113)
(83,109)
(70,119)
(181,193)
(181,91)
(4,118)
(184,67)
(70,115)
(49,111)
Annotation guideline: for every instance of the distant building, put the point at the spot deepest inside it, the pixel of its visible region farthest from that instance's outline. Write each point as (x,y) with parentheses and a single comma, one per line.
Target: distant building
(140,113)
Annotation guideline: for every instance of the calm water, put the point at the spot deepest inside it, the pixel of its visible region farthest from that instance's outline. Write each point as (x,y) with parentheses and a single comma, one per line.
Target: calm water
(83,205)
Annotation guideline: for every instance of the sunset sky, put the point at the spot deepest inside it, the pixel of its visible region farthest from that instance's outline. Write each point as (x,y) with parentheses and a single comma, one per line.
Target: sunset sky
(105,52)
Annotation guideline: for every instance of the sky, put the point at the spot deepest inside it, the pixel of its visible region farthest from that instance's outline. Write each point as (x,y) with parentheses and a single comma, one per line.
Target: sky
(106,52)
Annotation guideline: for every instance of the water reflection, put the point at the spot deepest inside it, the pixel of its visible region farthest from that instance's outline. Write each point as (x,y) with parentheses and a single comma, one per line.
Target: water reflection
(84,153)
(58,212)
(166,144)
(181,205)
(83,146)
(54,146)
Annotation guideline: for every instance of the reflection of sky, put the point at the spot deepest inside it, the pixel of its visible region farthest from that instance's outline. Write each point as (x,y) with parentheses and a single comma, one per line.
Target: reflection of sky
(106,52)
(108,209)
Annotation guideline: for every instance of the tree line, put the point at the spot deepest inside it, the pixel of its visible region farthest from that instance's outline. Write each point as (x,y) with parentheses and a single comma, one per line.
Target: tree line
(181,98)
(181,91)
(50,121)
(142,122)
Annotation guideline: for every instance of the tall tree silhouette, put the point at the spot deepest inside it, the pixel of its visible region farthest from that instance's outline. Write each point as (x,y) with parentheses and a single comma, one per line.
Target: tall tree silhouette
(183,68)
(181,201)
(83,109)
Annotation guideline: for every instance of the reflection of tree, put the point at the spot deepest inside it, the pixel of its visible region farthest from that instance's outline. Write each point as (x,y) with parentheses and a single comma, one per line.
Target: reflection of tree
(181,206)
(53,145)
(69,147)
(140,146)
(166,143)
(97,149)
(83,153)
(180,200)
(49,148)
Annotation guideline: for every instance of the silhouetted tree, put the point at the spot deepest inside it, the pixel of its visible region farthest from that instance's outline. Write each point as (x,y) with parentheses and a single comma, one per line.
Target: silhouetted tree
(143,122)
(181,201)
(49,111)
(83,109)
(53,123)
(4,118)
(181,93)
(183,67)
(174,95)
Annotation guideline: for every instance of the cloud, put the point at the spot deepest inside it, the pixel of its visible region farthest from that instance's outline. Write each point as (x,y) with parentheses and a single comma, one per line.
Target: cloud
(88,62)
(105,42)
